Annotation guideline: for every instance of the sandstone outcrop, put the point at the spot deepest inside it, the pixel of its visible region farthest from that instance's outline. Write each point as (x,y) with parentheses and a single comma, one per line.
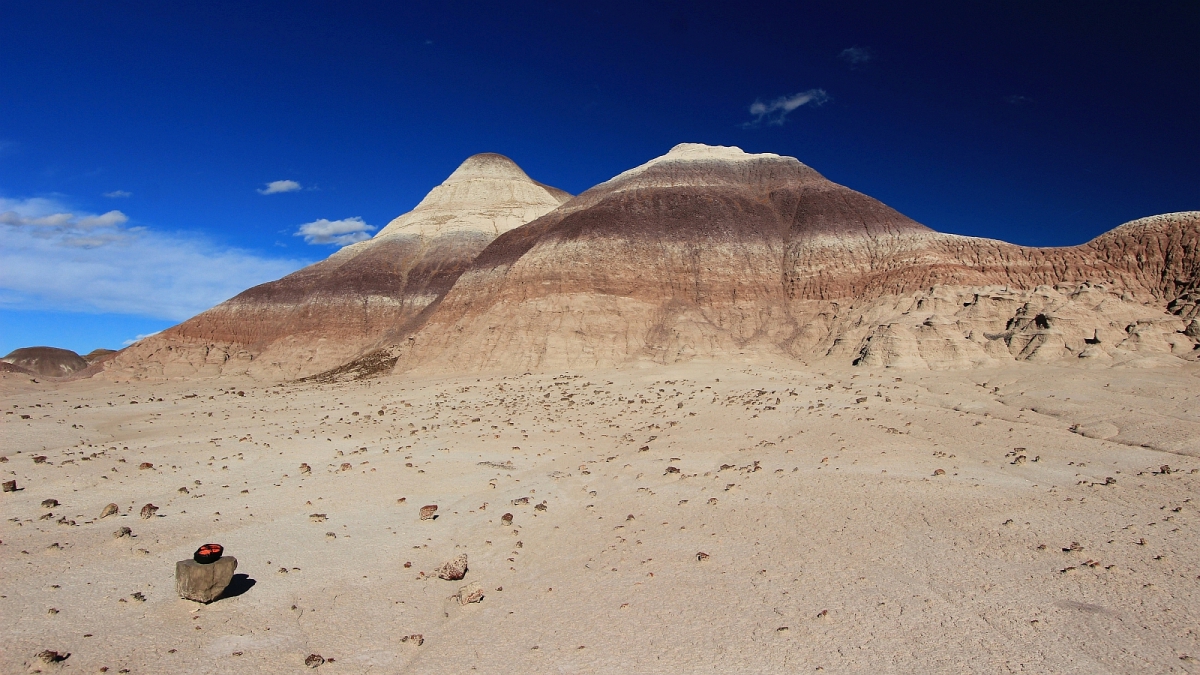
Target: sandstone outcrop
(327,313)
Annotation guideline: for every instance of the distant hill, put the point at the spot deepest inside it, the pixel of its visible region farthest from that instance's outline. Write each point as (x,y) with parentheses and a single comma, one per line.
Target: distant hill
(46,361)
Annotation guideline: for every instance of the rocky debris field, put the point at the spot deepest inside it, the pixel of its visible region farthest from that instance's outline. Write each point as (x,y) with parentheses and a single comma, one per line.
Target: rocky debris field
(753,517)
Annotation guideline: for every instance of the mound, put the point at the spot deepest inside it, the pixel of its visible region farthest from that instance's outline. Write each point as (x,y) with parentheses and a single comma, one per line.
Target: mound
(327,313)
(46,361)
(712,252)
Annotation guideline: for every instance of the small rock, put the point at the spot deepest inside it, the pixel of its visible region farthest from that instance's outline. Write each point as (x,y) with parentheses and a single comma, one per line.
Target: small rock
(148,511)
(305,468)
(110,510)
(145,465)
(1165,469)
(317,517)
(453,570)
(346,466)
(672,469)
(40,459)
(939,472)
(520,500)
(123,532)
(416,638)
(702,556)
(49,503)
(540,507)
(203,583)
(506,519)
(51,656)
(428,511)
(314,660)
(10,486)
(183,491)
(470,593)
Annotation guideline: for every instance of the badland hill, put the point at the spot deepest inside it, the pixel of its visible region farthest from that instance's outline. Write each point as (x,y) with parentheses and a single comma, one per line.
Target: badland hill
(705,252)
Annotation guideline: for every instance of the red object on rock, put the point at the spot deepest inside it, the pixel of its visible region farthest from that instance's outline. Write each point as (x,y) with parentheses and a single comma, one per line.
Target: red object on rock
(208,553)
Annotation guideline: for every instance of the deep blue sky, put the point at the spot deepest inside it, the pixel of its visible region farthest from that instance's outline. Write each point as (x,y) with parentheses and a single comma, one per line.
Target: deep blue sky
(1038,123)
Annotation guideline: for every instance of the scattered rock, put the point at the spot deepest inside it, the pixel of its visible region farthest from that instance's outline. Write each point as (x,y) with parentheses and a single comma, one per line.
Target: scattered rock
(453,570)
(346,466)
(470,593)
(10,486)
(939,472)
(123,532)
(148,511)
(506,519)
(49,503)
(427,511)
(110,510)
(51,656)
(314,660)
(305,468)
(39,459)
(203,583)
(1165,469)
(520,500)
(540,507)
(145,465)
(671,469)
(184,491)
(317,517)
(416,638)
(701,556)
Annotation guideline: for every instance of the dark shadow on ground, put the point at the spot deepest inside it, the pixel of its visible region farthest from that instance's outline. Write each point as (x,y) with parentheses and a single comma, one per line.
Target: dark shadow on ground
(238,585)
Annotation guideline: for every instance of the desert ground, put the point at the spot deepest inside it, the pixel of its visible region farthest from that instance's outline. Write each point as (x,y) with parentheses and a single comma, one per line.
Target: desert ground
(759,517)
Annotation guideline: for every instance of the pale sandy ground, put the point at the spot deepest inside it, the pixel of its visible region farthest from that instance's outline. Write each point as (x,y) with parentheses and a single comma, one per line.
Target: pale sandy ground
(831,543)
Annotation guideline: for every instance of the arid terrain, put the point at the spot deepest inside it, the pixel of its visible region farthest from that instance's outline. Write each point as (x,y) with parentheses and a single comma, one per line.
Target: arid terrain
(747,515)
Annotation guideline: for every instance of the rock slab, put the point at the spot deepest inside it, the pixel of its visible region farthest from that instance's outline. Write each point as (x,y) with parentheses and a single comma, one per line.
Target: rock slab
(203,583)
(470,593)
(453,570)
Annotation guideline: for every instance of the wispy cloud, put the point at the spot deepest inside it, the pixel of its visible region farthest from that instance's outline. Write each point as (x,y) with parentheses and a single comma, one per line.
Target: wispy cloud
(139,338)
(775,112)
(54,258)
(117,194)
(278,186)
(857,57)
(340,232)
(1017,99)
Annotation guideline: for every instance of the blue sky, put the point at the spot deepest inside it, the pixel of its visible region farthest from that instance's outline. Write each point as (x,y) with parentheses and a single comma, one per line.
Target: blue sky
(138,140)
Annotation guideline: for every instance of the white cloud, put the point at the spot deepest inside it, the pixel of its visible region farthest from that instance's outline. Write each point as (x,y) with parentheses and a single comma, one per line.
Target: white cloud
(139,338)
(341,232)
(856,56)
(51,258)
(775,112)
(277,186)
(116,194)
